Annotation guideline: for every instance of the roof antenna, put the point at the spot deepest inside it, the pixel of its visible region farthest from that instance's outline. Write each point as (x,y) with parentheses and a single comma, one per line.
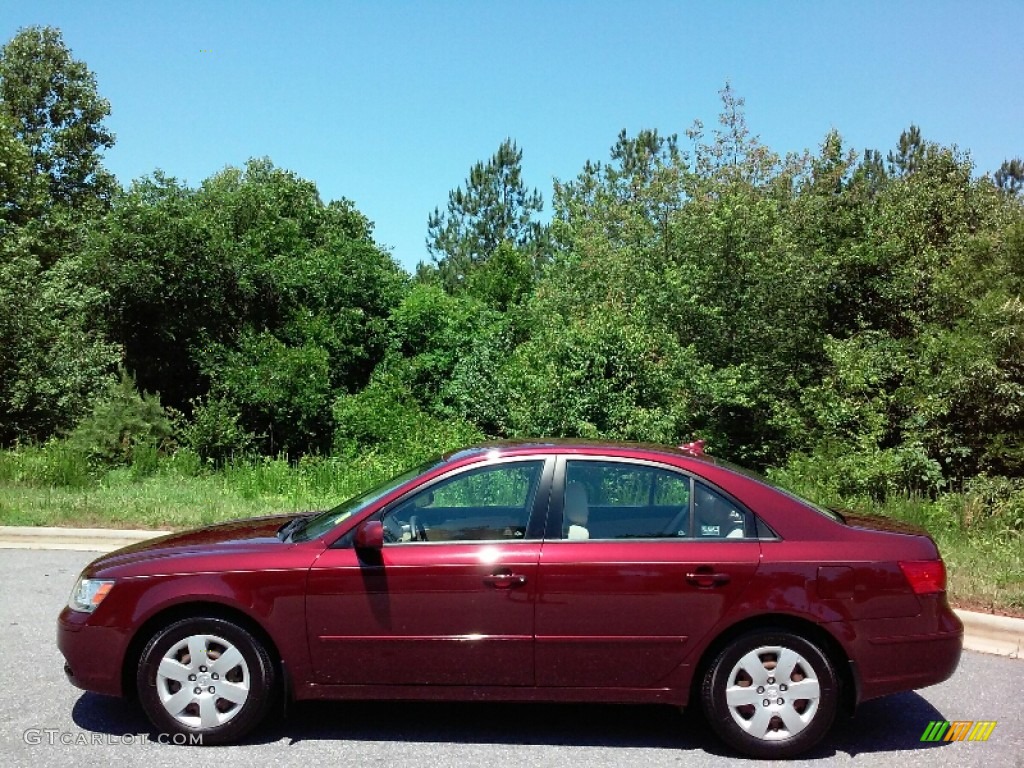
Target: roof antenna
(695,448)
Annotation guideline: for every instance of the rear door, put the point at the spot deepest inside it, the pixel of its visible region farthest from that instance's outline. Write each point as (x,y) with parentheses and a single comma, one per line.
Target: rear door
(664,556)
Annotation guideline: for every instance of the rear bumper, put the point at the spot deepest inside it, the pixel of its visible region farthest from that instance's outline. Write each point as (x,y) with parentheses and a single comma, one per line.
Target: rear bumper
(92,655)
(896,655)
(912,663)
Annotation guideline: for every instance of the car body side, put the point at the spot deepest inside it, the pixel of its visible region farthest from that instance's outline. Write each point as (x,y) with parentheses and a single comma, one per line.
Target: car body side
(841,584)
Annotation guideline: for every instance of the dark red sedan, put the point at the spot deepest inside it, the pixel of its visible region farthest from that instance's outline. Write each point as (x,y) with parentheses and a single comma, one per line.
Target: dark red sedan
(545,571)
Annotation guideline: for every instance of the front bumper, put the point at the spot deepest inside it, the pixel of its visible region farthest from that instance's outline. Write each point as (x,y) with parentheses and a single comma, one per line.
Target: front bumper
(93,655)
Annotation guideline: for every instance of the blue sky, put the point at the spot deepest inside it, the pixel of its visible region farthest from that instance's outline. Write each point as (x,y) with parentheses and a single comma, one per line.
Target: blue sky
(390,103)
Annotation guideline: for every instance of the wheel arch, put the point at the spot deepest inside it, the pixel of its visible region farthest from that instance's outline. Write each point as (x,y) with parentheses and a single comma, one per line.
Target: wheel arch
(193,610)
(844,666)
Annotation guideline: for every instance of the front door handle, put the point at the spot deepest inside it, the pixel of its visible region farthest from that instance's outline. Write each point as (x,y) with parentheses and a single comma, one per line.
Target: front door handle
(706,576)
(505,580)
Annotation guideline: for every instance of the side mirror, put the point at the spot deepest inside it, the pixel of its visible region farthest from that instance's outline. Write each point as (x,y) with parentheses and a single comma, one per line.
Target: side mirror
(370,535)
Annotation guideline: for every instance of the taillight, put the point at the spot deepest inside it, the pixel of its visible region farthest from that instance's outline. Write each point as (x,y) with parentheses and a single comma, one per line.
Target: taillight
(925,576)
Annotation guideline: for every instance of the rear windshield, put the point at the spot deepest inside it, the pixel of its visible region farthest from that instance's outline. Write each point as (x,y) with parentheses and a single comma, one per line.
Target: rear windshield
(831,514)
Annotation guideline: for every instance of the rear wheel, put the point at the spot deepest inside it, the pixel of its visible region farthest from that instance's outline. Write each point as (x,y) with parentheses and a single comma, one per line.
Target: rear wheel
(770,694)
(205,677)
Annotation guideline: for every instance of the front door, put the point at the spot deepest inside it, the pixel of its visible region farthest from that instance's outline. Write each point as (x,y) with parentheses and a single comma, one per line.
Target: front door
(450,598)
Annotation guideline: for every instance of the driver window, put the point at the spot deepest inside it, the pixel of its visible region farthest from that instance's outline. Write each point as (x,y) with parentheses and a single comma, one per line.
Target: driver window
(486,504)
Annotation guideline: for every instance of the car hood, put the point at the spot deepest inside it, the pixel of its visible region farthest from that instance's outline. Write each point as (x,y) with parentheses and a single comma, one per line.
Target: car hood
(231,538)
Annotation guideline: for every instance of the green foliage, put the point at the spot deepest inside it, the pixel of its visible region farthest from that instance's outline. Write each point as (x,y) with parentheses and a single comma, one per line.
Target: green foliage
(55,464)
(994,502)
(494,207)
(215,432)
(22,189)
(125,428)
(52,362)
(839,473)
(441,351)
(53,358)
(183,462)
(603,375)
(827,302)
(1010,176)
(283,392)
(504,280)
(52,101)
(385,416)
(52,182)
(249,290)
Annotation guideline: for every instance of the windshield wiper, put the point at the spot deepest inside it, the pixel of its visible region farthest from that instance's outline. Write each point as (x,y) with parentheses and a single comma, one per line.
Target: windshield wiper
(288,528)
(838,513)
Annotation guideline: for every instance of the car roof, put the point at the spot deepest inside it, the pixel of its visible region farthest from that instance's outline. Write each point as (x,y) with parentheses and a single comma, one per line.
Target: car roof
(575,445)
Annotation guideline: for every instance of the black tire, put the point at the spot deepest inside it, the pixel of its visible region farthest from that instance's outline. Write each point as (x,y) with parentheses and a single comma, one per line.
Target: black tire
(791,724)
(248,675)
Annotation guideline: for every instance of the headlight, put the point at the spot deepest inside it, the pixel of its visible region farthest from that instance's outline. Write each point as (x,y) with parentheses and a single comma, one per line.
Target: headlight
(88,594)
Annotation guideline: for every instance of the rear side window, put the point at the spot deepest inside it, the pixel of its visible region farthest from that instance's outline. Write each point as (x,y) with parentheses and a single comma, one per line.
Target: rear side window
(718,517)
(620,500)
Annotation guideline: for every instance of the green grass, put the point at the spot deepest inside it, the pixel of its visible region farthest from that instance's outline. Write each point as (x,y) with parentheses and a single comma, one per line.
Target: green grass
(44,486)
(51,485)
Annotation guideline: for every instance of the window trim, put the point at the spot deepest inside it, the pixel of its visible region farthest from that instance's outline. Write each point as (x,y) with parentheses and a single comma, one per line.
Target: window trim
(553,530)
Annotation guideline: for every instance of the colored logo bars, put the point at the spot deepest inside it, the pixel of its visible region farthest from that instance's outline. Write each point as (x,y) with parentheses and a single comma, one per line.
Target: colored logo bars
(960,730)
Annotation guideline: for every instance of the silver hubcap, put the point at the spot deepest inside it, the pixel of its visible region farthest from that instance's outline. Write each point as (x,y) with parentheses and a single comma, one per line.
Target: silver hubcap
(772,693)
(203,681)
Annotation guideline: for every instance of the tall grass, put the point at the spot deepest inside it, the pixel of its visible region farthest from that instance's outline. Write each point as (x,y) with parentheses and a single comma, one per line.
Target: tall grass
(54,485)
(55,464)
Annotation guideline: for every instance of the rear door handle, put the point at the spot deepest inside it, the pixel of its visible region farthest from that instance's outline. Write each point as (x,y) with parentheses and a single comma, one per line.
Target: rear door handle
(706,576)
(505,580)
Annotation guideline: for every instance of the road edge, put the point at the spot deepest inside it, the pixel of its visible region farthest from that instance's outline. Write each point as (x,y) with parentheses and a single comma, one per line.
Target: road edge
(79,539)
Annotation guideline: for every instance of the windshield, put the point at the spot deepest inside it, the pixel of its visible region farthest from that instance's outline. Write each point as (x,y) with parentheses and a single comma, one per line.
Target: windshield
(320,524)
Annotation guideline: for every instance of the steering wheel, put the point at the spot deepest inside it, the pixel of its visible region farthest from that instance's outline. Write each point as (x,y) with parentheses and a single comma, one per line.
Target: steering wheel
(389,533)
(419,533)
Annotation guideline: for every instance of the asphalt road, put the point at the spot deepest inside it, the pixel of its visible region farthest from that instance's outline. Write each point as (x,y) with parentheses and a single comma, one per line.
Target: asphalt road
(45,721)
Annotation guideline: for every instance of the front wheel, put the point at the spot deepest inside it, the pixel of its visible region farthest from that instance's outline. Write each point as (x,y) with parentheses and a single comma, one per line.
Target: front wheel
(770,694)
(206,678)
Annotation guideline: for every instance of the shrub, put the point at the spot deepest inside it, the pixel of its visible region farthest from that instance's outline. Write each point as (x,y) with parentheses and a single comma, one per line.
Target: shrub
(184,462)
(840,471)
(995,501)
(385,417)
(215,432)
(123,423)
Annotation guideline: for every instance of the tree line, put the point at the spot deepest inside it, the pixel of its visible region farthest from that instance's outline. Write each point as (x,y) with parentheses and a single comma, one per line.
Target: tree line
(855,316)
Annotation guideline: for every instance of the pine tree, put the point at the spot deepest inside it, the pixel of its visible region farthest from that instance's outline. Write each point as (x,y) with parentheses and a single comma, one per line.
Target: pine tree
(493,207)
(1010,176)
